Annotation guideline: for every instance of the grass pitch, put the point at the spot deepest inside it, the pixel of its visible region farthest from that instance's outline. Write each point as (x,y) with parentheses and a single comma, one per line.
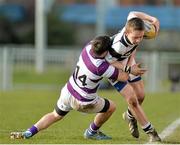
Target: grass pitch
(22,108)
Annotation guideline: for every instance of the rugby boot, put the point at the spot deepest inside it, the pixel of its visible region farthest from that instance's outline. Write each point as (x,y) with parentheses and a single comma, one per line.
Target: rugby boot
(96,136)
(153,136)
(20,135)
(133,128)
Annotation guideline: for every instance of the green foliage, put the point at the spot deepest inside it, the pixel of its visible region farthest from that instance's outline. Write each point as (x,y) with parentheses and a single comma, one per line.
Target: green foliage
(59,32)
(8,33)
(28,36)
(20,109)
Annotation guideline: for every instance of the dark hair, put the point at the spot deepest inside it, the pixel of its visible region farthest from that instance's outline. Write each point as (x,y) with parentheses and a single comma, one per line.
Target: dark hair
(135,24)
(101,44)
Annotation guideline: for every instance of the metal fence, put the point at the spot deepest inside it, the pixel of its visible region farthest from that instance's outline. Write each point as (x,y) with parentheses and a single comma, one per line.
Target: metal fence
(160,64)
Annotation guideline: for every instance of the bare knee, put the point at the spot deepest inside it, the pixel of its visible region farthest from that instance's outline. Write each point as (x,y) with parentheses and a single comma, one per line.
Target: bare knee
(56,116)
(112,107)
(131,97)
(132,101)
(140,96)
(141,99)
(138,87)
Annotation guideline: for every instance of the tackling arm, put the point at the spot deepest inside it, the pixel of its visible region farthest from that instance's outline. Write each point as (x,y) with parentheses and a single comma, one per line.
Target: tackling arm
(117,65)
(123,76)
(120,66)
(134,69)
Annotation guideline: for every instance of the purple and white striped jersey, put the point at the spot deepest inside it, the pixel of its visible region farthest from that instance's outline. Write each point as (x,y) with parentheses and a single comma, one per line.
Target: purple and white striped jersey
(85,80)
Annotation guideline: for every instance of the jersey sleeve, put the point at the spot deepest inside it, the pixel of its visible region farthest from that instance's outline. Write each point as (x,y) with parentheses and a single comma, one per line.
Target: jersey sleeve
(111,72)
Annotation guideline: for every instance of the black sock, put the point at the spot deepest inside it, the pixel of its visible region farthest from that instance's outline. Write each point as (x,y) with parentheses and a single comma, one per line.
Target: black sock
(148,127)
(129,114)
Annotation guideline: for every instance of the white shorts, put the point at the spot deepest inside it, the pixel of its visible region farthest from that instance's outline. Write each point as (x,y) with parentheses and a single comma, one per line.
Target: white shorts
(67,102)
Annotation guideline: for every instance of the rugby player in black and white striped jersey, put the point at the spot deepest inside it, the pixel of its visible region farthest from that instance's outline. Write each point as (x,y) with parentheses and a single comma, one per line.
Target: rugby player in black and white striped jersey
(122,55)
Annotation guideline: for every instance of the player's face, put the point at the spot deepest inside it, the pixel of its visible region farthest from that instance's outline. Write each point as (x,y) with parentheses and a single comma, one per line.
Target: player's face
(135,37)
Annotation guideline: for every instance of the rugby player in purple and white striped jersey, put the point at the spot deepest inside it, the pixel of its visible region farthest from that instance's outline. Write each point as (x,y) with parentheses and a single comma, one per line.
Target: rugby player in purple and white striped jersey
(80,92)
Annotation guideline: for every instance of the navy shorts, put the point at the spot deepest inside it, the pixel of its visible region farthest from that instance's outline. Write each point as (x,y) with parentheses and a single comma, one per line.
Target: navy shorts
(120,85)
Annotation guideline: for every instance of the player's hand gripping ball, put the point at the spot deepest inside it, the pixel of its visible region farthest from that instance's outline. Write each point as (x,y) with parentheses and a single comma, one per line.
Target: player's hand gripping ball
(150,30)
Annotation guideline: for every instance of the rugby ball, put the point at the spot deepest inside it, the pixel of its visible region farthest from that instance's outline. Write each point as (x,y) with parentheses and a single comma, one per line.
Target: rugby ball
(150,30)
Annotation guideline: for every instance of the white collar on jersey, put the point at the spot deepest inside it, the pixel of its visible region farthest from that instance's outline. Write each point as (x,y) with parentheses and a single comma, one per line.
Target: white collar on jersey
(127,40)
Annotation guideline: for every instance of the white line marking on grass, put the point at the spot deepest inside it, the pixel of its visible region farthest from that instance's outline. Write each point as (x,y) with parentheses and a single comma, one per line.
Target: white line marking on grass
(170,129)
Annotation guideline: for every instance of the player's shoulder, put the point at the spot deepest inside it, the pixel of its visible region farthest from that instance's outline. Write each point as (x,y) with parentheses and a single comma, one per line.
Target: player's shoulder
(117,37)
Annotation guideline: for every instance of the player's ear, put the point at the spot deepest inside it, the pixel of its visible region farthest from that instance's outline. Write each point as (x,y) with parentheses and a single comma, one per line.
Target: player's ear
(126,32)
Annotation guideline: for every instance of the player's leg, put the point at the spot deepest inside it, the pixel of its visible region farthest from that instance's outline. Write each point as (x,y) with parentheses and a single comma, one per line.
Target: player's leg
(138,87)
(105,113)
(137,83)
(128,93)
(137,111)
(43,123)
(61,109)
(128,116)
(126,90)
(105,109)
(50,118)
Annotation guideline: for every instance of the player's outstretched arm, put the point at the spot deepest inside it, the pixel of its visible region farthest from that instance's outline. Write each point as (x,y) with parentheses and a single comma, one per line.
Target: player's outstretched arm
(147,17)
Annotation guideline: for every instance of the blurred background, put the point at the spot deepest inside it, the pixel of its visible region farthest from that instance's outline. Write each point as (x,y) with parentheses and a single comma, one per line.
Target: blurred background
(40,40)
